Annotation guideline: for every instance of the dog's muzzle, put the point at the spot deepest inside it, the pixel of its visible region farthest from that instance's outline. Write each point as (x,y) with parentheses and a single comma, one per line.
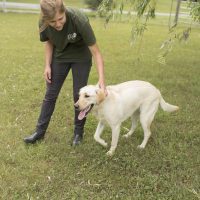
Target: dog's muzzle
(83,113)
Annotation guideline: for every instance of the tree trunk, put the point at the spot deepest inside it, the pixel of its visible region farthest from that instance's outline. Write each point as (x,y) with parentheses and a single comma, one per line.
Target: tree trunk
(177,12)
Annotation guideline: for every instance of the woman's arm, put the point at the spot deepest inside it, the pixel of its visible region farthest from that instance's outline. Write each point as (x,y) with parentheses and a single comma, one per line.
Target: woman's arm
(48,59)
(100,65)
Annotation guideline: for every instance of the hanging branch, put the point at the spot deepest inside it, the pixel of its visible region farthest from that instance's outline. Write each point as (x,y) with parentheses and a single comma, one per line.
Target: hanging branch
(175,36)
(195,10)
(140,11)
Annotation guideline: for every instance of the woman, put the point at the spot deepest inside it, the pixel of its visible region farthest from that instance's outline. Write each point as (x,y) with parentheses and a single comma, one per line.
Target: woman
(70,44)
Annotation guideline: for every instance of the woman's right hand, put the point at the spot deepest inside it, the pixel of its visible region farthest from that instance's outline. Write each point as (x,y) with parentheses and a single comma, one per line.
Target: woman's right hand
(47,74)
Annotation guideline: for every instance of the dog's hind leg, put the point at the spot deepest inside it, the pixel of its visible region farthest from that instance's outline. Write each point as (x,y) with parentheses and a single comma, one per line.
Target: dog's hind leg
(115,137)
(134,119)
(97,135)
(146,117)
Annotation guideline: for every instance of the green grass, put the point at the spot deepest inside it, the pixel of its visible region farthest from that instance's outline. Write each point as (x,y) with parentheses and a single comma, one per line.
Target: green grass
(167,169)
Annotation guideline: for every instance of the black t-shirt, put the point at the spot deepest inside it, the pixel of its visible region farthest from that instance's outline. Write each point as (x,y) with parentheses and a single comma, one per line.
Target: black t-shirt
(71,43)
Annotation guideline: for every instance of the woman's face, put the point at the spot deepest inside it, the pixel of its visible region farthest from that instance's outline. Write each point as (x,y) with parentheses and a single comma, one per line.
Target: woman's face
(58,21)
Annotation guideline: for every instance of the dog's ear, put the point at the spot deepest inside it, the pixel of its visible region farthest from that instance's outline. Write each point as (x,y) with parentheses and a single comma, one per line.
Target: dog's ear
(100,96)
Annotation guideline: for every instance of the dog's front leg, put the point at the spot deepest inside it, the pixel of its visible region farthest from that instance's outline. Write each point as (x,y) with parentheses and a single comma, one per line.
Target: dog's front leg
(97,135)
(115,137)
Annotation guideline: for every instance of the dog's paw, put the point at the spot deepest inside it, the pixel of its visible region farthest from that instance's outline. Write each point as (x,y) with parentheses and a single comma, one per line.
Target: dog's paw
(125,136)
(140,147)
(104,144)
(101,141)
(110,153)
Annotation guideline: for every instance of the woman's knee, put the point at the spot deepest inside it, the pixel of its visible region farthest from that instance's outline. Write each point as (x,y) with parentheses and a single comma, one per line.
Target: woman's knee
(51,95)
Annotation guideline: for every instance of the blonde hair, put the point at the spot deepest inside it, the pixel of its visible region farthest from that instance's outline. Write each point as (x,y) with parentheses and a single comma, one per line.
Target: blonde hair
(49,8)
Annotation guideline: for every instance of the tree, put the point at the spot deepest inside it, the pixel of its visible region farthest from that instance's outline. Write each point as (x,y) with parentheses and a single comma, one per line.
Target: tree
(141,11)
(177,12)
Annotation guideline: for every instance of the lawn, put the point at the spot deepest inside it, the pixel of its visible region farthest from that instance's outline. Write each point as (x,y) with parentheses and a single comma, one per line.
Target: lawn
(168,168)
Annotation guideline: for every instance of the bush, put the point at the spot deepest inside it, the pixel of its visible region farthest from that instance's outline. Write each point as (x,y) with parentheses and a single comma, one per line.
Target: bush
(93,4)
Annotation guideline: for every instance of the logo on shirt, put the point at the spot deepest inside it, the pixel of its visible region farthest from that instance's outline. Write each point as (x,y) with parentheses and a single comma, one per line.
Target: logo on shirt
(71,36)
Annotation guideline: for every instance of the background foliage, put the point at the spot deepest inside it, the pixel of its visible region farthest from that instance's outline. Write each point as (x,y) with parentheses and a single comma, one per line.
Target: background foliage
(141,11)
(93,4)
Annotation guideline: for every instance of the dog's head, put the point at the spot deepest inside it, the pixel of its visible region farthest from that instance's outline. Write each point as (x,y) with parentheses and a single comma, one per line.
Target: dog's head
(88,97)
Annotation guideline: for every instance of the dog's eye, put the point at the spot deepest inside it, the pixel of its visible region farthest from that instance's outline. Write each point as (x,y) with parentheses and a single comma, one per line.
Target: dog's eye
(86,96)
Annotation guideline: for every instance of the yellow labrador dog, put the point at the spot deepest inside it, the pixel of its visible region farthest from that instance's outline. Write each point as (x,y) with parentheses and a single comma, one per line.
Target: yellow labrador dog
(134,99)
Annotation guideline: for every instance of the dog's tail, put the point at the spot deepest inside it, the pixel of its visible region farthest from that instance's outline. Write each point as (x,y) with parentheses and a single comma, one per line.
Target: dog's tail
(166,106)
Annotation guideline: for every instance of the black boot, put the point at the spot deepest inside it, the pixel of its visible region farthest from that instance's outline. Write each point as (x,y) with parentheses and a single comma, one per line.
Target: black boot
(78,138)
(34,137)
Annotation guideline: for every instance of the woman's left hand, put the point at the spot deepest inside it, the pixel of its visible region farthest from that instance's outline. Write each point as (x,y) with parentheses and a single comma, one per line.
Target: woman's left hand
(100,66)
(103,87)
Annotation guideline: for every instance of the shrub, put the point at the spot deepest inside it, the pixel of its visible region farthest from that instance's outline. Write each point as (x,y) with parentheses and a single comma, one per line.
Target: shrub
(93,4)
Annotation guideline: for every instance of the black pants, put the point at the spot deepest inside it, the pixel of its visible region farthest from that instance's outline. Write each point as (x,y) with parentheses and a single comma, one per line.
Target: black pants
(80,73)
